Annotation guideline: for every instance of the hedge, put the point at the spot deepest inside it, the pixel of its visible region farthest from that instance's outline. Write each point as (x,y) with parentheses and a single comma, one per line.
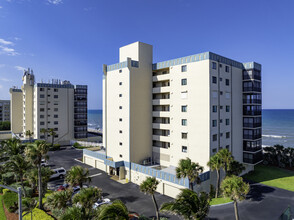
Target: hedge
(54,147)
(9,199)
(2,212)
(38,214)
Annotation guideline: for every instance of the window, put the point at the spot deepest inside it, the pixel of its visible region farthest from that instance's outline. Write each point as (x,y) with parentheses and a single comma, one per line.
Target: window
(41,116)
(55,90)
(228,95)
(221,92)
(214,123)
(56,136)
(120,95)
(120,143)
(227,146)
(227,108)
(184,108)
(228,135)
(120,119)
(184,122)
(55,103)
(55,116)
(214,65)
(42,123)
(221,121)
(184,95)
(184,135)
(42,89)
(55,109)
(48,95)
(56,122)
(184,149)
(120,107)
(220,79)
(221,107)
(42,109)
(120,71)
(56,96)
(120,131)
(184,68)
(227,82)
(120,155)
(214,150)
(227,69)
(214,94)
(214,80)
(221,134)
(120,83)
(214,108)
(184,82)
(227,121)
(42,96)
(214,137)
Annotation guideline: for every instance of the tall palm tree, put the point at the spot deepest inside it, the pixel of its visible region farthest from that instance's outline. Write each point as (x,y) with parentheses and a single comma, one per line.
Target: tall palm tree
(149,186)
(29,134)
(52,133)
(189,205)
(116,211)
(28,206)
(72,213)
(86,198)
(35,154)
(77,175)
(235,168)
(189,169)
(18,165)
(236,189)
(226,157)
(44,131)
(215,163)
(59,199)
(10,148)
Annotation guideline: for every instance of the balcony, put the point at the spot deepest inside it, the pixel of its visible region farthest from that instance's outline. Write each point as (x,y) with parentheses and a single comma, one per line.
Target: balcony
(161,101)
(160,77)
(252,112)
(251,137)
(252,125)
(161,126)
(161,138)
(163,89)
(251,74)
(252,158)
(251,89)
(251,101)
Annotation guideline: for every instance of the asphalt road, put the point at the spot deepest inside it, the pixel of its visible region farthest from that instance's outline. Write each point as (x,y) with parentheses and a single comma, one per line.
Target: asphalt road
(129,193)
(262,203)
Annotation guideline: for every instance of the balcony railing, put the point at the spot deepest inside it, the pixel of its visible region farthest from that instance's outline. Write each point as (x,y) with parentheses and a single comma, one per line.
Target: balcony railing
(251,137)
(251,101)
(252,149)
(252,125)
(251,89)
(253,112)
(252,158)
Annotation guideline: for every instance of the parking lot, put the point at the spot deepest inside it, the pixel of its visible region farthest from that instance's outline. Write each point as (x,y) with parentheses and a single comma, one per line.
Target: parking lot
(129,193)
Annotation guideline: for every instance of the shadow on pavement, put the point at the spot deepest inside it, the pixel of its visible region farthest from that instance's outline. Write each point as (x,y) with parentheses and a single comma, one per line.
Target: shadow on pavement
(257,191)
(127,198)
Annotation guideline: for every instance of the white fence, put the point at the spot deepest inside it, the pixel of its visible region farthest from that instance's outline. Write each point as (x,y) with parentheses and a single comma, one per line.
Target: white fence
(86,143)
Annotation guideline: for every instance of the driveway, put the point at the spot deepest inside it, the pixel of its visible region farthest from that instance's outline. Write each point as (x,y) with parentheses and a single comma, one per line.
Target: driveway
(129,193)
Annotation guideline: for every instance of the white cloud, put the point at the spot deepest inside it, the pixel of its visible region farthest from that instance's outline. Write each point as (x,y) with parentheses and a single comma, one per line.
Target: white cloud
(20,68)
(17,38)
(55,2)
(5,42)
(5,79)
(8,51)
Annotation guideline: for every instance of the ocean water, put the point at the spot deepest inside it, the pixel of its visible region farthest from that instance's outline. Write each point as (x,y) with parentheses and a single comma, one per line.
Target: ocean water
(277,126)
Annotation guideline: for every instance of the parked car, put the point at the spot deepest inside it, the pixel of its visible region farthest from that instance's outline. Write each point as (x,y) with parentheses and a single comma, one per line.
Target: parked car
(44,163)
(134,216)
(100,202)
(63,187)
(58,173)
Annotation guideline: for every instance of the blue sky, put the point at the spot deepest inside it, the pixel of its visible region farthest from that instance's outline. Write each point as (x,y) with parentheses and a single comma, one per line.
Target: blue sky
(71,39)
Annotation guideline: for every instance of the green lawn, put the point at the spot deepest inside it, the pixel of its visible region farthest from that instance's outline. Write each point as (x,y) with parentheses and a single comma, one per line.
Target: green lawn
(272,176)
(2,213)
(218,201)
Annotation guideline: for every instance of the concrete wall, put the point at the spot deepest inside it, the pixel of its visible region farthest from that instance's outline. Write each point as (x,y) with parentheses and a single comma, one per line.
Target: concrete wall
(16,112)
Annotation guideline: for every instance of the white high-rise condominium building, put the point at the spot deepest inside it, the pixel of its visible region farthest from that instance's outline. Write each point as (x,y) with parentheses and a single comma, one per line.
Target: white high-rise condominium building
(4,110)
(155,114)
(58,105)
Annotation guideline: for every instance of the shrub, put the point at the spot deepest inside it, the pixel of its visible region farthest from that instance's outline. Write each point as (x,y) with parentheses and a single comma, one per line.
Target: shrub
(5,191)
(55,147)
(38,214)
(211,191)
(10,200)
(76,145)
(29,190)
(8,178)
(2,213)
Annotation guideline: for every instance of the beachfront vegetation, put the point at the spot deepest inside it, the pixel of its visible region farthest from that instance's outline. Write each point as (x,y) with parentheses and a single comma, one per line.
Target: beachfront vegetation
(278,155)
(236,189)
(215,163)
(77,175)
(4,125)
(272,176)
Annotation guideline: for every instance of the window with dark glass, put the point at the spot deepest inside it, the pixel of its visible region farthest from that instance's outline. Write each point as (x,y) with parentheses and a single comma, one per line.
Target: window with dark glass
(214,65)
(214,80)
(184,68)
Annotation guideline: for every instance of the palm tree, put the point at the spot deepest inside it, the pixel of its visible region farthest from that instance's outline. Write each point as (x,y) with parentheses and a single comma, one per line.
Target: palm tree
(72,213)
(189,205)
(77,175)
(52,133)
(187,168)
(236,189)
(226,157)
(44,131)
(35,154)
(59,199)
(215,163)
(149,186)
(29,134)
(28,206)
(235,168)
(86,198)
(10,148)
(116,211)
(19,166)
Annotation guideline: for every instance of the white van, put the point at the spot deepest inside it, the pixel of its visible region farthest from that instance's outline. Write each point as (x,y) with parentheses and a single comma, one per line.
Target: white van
(58,173)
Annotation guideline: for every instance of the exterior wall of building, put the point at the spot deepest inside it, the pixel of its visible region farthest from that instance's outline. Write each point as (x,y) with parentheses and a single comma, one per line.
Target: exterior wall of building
(28,97)
(4,110)
(16,111)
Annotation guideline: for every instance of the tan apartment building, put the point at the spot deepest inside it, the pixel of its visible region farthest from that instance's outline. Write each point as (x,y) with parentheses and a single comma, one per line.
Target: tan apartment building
(58,105)
(4,110)
(155,114)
